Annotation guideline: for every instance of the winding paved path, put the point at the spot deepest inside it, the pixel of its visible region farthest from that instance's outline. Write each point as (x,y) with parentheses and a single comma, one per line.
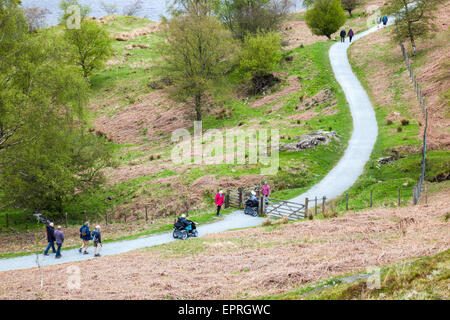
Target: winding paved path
(340,179)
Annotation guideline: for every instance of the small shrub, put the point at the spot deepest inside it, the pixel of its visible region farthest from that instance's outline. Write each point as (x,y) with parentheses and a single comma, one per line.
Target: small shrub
(389,122)
(399,129)
(405,122)
(267,222)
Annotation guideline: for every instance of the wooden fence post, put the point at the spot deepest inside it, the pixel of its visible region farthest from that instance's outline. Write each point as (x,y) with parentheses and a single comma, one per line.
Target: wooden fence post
(146,214)
(125,216)
(315,206)
(227,199)
(346,205)
(66,219)
(306,207)
(240,198)
(371,197)
(261,204)
(323,205)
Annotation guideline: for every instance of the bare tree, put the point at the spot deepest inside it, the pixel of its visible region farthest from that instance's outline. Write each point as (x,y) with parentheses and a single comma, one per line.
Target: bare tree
(109,8)
(133,8)
(35,17)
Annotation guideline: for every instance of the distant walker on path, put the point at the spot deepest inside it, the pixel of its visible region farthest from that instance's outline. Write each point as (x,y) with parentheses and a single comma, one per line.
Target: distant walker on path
(342,34)
(385,20)
(351,34)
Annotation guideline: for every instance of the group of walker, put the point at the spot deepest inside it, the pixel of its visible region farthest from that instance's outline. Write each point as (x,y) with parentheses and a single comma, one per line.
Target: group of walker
(57,236)
(351,33)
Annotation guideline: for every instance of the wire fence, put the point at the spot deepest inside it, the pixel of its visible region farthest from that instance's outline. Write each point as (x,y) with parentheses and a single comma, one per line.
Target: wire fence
(417,190)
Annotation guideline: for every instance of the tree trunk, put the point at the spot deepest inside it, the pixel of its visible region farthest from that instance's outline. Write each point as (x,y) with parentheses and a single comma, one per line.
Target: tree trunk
(198,107)
(411,38)
(350,12)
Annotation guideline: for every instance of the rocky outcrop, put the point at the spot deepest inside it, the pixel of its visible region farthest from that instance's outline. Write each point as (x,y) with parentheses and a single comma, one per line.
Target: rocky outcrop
(311,140)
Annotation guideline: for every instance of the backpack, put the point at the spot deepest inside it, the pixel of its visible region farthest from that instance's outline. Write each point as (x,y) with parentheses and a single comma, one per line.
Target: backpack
(84,231)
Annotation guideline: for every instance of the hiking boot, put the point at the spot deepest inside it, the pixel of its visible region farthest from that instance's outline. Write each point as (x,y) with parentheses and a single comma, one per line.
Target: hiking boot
(58,257)
(46,254)
(97,255)
(80,250)
(86,252)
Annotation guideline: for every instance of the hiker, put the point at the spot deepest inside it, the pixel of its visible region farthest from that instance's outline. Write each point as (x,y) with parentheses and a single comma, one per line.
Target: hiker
(220,199)
(59,238)
(97,238)
(342,34)
(385,20)
(50,238)
(378,22)
(351,34)
(85,235)
(266,192)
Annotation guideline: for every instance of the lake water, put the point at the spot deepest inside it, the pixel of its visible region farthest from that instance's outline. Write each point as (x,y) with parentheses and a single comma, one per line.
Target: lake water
(151,9)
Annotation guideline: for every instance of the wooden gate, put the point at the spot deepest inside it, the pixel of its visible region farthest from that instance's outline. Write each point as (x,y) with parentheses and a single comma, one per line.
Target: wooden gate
(281,208)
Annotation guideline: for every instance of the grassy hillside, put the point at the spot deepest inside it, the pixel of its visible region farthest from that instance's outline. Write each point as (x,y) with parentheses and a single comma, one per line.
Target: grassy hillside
(139,118)
(425,278)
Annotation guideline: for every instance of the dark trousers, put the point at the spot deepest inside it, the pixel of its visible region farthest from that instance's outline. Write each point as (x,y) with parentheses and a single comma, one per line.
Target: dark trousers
(218,209)
(351,38)
(50,245)
(58,251)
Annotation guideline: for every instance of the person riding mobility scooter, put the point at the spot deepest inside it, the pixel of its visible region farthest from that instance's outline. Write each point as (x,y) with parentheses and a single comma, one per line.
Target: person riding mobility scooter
(184,228)
(251,205)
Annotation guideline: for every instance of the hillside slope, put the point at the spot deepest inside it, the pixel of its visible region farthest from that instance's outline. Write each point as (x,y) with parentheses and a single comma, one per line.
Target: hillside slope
(250,263)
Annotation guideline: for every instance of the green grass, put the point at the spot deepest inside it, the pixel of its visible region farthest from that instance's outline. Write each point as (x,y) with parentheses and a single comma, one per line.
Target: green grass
(426,278)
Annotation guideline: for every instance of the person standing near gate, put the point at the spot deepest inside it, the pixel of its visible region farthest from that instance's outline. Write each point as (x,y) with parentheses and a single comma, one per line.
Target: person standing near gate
(220,200)
(266,192)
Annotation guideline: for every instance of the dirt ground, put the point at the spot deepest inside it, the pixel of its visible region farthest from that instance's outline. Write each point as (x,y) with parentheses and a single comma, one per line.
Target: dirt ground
(249,263)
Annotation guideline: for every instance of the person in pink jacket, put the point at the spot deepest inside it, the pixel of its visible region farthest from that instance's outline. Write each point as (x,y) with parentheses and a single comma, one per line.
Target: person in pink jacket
(266,191)
(220,200)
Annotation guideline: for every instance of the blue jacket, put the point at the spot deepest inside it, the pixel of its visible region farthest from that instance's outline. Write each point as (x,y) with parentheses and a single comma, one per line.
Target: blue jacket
(85,233)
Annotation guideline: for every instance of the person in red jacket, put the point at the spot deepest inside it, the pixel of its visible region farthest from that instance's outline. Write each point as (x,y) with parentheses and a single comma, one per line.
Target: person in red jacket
(220,199)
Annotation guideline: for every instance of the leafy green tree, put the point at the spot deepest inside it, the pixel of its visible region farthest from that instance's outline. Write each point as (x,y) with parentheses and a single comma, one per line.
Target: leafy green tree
(260,54)
(252,16)
(65,5)
(325,17)
(45,154)
(34,77)
(90,46)
(413,19)
(350,5)
(198,51)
